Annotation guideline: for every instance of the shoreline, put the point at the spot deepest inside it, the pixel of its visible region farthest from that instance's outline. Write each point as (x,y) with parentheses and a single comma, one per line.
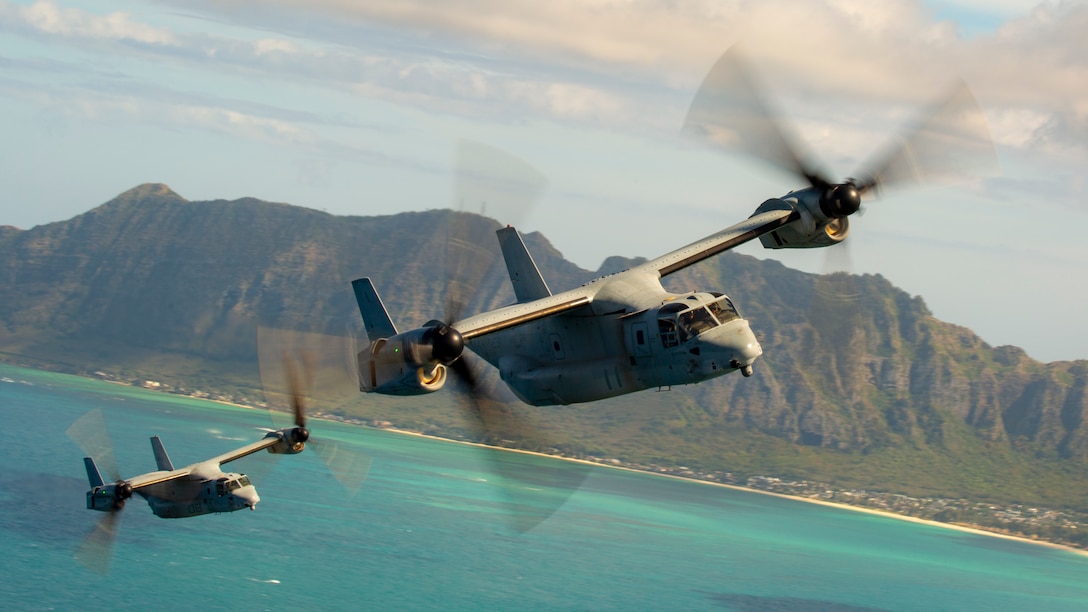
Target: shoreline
(960,527)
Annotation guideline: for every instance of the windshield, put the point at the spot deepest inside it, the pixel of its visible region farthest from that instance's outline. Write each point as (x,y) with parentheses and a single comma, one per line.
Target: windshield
(695,321)
(674,329)
(723,310)
(234,485)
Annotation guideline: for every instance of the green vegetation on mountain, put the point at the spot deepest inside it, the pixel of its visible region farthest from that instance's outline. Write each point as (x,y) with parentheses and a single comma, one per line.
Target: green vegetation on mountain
(860,386)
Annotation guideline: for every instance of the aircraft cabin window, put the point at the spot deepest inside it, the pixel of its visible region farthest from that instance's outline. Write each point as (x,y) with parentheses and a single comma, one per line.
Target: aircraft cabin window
(666,330)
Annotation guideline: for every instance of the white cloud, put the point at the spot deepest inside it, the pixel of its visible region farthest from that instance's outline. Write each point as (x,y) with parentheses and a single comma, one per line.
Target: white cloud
(241,124)
(847,71)
(566,100)
(274,45)
(46,17)
(1017,127)
(125,109)
(579,60)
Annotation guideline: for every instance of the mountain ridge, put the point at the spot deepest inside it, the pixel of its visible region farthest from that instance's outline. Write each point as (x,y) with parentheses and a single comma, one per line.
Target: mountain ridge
(872,390)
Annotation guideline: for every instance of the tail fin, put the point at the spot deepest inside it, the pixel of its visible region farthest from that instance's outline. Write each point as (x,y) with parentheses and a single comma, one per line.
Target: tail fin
(161,458)
(528,284)
(92,473)
(375,316)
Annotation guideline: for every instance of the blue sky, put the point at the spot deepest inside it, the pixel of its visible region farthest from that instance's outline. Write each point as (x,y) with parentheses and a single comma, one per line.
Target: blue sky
(356,107)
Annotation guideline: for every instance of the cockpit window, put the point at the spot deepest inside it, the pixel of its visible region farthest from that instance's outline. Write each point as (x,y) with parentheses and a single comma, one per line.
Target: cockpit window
(695,321)
(244,481)
(677,323)
(723,310)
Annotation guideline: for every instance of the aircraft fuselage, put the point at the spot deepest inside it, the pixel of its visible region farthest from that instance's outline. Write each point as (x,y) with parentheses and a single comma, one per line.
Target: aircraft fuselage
(200,493)
(628,339)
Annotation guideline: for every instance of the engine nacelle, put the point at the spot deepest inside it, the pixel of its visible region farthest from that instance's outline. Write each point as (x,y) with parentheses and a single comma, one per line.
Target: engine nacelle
(792,237)
(405,364)
(814,229)
(291,441)
(109,498)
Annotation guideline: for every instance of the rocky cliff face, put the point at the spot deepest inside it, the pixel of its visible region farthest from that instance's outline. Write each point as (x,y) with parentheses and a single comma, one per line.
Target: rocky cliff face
(150,269)
(869,367)
(851,363)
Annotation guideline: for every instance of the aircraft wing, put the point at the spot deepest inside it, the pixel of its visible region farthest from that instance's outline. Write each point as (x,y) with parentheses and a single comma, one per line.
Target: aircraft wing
(153,478)
(568,301)
(519,314)
(248,449)
(751,228)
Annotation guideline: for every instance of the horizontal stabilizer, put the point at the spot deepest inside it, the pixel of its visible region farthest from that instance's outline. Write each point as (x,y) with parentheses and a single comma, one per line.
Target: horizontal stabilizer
(161,458)
(528,283)
(93,476)
(375,316)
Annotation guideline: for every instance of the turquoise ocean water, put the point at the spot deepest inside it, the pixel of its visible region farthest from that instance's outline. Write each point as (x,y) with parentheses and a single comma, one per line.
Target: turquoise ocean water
(430,530)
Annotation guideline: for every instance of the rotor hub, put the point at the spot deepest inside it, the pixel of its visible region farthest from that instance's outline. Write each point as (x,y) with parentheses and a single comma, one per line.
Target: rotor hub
(446,343)
(840,200)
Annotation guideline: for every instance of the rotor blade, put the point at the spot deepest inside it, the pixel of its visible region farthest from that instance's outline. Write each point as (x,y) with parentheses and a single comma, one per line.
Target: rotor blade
(535,487)
(90,434)
(835,314)
(348,467)
(949,142)
(502,187)
(299,383)
(301,369)
(294,389)
(327,380)
(96,551)
(497,185)
(350,353)
(258,467)
(729,113)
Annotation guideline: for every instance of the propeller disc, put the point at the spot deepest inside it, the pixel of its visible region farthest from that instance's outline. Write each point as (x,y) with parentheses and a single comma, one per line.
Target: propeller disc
(90,434)
(949,141)
(297,366)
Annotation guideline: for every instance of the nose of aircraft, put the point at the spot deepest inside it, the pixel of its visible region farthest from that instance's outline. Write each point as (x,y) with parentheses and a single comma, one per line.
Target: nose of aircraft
(739,343)
(248,496)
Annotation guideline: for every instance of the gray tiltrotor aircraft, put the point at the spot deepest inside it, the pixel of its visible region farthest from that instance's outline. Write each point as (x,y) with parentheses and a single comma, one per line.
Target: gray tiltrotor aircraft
(197,489)
(624,332)
(200,488)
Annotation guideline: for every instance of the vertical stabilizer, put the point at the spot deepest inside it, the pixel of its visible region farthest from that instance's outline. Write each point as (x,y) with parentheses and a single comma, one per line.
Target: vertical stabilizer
(528,284)
(375,316)
(161,458)
(93,476)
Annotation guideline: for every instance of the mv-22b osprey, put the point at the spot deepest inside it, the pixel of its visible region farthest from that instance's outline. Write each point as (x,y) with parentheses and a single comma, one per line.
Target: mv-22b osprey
(624,332)
(197,489)
(193,490)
